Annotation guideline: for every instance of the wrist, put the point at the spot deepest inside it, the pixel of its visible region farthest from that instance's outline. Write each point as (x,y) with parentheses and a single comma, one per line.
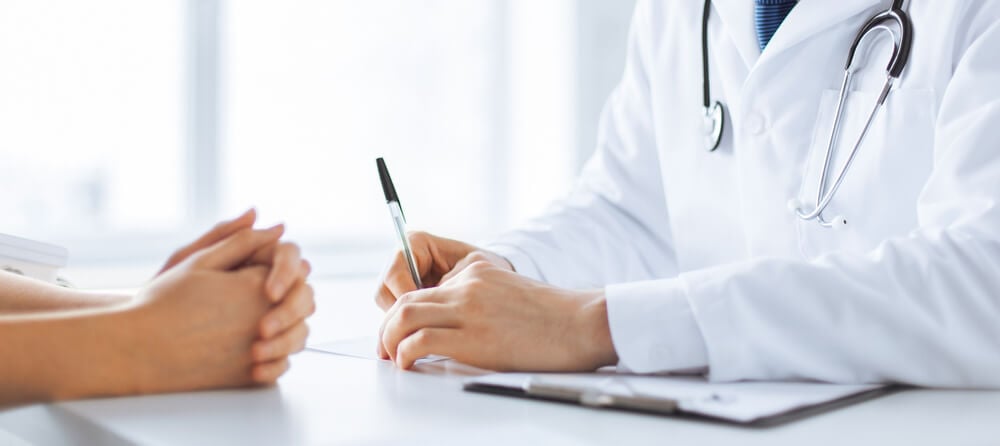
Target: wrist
(132,358)
(117,353)
(594,332)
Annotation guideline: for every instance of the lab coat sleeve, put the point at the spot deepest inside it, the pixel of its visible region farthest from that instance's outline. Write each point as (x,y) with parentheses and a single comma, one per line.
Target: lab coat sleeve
(612,227)
(921,309)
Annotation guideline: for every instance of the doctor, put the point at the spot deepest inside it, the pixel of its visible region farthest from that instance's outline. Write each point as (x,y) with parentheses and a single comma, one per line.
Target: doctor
(670,256)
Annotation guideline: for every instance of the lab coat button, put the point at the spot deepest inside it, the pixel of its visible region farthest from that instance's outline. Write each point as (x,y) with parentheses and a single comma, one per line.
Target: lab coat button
(754,123)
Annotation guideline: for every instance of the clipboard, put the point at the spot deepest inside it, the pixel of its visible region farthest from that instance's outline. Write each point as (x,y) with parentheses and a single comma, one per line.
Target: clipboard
(751,404)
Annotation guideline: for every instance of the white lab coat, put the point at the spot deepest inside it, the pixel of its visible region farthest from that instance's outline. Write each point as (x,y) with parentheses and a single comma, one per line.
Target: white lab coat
(703,263)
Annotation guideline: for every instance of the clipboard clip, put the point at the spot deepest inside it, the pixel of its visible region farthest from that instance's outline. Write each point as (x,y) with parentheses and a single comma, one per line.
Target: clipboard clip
(596,398)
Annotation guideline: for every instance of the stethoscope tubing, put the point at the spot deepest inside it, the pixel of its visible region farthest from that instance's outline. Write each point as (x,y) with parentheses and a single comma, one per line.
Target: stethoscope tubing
(902,42)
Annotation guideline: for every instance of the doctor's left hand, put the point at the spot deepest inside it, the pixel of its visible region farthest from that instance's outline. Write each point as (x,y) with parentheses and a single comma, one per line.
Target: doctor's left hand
(495,319)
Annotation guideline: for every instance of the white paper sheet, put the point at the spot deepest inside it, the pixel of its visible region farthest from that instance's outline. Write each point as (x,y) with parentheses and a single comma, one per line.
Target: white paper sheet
(741,402)
(362,347)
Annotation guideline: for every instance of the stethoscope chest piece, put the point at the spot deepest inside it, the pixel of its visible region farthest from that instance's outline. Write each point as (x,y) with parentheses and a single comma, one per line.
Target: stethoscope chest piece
(714,121)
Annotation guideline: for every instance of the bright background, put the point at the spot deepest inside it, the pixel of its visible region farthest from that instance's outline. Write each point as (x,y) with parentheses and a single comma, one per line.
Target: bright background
(127,128)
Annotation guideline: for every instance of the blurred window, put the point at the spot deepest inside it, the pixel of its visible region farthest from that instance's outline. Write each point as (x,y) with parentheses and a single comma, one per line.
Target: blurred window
(90,118)
(127,127)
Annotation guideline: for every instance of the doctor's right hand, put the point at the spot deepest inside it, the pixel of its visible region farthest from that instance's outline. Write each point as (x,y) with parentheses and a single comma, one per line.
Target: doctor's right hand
(438,260)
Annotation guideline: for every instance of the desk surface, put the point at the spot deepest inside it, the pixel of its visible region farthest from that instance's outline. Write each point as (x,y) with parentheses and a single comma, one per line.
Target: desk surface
(328,399)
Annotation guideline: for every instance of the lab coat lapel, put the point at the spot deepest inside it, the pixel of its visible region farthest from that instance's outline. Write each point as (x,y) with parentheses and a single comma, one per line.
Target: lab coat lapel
(811,17)
(737,17)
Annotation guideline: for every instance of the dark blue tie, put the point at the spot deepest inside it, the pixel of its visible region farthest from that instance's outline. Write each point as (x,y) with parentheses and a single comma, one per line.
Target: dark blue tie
(768,16)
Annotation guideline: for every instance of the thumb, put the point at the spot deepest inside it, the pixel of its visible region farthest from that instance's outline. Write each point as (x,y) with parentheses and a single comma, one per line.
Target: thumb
(234,250)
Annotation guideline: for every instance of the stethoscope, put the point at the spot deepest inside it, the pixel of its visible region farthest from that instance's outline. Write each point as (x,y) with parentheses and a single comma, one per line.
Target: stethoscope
(902,35)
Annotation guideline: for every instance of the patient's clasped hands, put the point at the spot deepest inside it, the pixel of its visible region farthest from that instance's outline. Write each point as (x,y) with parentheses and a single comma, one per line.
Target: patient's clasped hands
(226,310)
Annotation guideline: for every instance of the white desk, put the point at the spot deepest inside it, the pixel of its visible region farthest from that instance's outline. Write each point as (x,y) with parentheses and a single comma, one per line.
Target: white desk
(327,399)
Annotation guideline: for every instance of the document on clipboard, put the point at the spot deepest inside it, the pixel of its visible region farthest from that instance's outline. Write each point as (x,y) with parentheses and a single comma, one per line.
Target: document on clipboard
(743,403)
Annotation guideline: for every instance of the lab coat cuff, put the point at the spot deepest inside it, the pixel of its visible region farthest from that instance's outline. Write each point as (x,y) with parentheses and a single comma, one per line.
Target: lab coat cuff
(520,260)
(653,328)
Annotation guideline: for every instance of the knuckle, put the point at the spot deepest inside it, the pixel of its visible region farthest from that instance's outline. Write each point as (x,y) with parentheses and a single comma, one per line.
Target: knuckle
(478,256)
(422,338)
(406,314)
(475,285)
(256,275)
(405,299)
(480,266)
(468,301)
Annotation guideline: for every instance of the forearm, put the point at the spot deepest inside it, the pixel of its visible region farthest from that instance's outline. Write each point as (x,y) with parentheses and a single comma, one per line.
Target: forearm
(65,355)
(19,295)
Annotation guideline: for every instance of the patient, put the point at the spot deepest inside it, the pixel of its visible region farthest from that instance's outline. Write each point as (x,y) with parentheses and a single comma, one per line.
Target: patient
(225,311)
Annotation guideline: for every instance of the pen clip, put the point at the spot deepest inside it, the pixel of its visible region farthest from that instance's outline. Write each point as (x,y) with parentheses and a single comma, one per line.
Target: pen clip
(592,397)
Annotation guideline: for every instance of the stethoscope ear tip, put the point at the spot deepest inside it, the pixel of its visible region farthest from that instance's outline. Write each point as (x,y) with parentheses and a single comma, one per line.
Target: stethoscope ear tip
(795,207)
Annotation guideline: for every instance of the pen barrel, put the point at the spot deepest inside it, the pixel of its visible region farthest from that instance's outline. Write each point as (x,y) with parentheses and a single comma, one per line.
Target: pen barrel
(400,224)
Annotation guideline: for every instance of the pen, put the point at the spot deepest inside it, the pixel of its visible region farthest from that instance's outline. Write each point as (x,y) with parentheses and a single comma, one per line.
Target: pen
(398,219)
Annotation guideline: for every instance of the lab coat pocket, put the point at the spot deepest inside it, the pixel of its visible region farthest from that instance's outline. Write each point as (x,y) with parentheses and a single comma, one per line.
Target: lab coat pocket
(878,196)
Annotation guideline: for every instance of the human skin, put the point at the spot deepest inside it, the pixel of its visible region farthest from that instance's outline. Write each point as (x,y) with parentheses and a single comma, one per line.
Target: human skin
(478,310)
(209,319)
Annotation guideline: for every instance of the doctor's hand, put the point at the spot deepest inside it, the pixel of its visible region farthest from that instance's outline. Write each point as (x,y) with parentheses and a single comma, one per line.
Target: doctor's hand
(438,260)
(489,317)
